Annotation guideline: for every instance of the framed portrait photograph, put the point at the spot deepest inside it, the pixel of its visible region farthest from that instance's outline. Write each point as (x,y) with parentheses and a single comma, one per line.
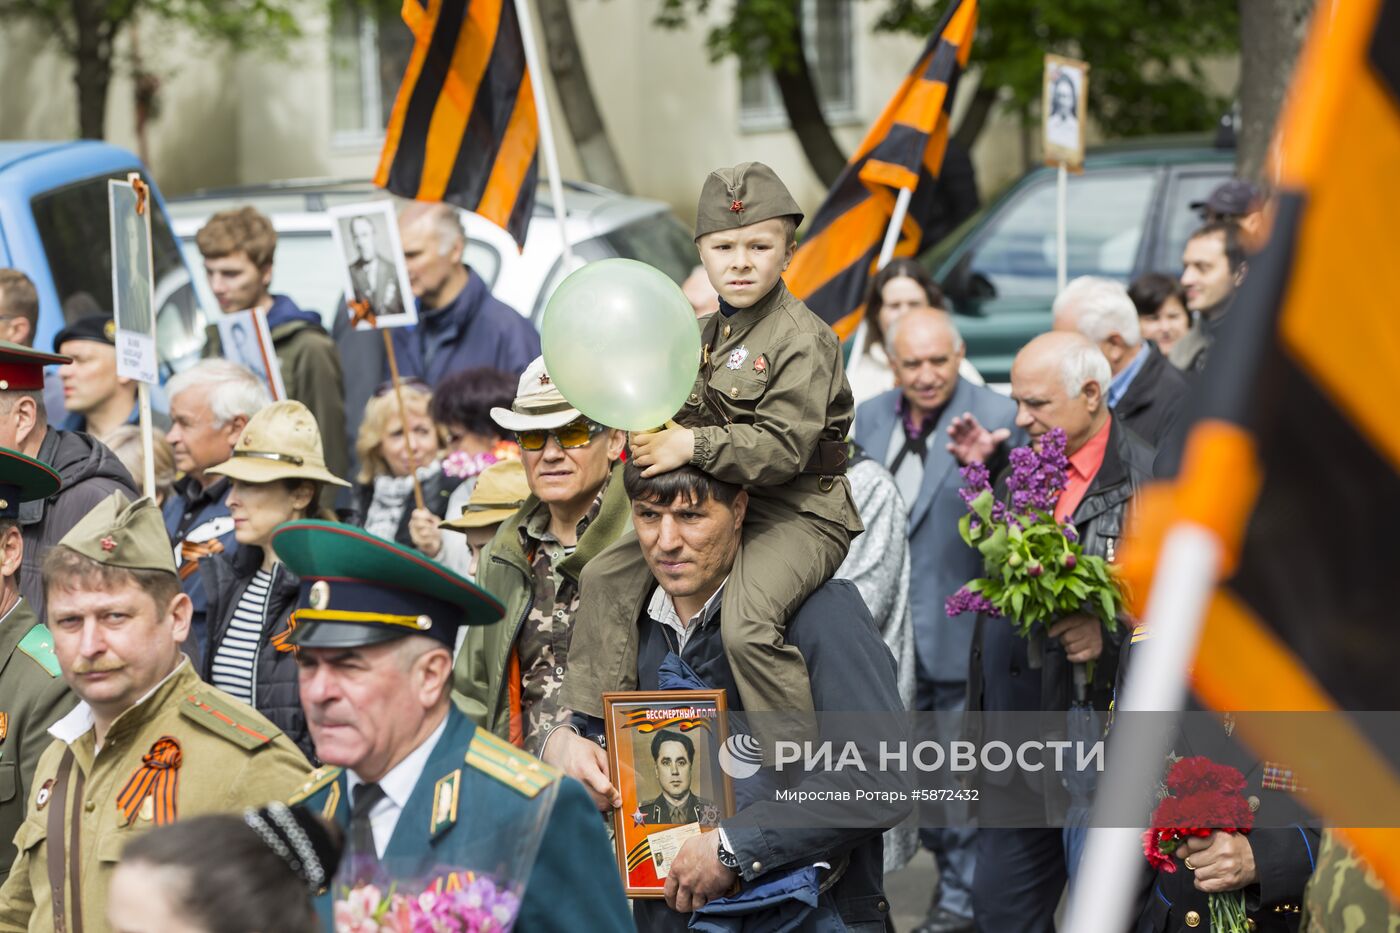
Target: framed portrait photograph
(245,339)
(133,299)
(367,239)
(1062,113)
(663,754)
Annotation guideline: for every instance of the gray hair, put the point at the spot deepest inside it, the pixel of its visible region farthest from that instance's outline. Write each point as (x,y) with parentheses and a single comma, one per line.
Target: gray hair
(444,220)
(943,316)
(1101,308)
(233,390)
(1084,362)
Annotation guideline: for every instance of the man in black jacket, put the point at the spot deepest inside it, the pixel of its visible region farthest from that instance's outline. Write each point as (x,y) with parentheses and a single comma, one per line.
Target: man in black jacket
(689,526)
(1146,393)
(1057,381)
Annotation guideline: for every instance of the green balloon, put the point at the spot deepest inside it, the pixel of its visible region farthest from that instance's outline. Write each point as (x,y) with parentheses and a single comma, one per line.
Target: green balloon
(621,342)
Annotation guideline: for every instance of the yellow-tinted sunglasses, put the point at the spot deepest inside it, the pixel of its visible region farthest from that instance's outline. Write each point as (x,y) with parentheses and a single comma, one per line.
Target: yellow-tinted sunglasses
(574,434)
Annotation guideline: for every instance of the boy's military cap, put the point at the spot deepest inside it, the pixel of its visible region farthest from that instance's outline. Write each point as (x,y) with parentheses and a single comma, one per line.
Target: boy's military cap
(748,193)
(121,533)
(23,479)
(358,589)
(22,368)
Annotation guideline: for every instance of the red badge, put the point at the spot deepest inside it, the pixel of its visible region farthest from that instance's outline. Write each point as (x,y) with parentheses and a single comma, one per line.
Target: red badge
(41,799)
(108,543)
(760,365)
(736,206)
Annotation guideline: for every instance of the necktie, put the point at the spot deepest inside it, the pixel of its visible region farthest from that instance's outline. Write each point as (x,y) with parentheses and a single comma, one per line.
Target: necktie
(361,833)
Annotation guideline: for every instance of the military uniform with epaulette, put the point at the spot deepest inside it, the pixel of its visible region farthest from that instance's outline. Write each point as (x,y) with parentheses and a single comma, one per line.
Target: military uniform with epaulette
(770,410)
(33,693)
(185,749)
(478,804)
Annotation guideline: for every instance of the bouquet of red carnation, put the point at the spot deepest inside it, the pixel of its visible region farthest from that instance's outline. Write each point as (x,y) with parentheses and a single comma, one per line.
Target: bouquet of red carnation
(1202,798)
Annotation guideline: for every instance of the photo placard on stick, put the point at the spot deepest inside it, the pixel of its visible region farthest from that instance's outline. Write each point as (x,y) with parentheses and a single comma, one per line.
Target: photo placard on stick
(367,239)
(663,754)
(245,338)
(1065,94)
(133,296)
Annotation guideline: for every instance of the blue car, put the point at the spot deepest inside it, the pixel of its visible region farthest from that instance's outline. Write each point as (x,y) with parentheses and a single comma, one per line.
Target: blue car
(54,227)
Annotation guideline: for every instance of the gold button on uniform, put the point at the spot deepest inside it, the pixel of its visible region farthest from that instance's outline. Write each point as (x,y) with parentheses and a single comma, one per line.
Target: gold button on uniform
(1193,919)
(734,392)
(726,330)
(694,397)
(757,867)
(1250,924)
(1253,803)
(90,806)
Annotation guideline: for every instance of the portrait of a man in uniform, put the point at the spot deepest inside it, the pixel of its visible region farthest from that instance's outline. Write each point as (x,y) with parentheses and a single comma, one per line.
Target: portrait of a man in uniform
(673,756)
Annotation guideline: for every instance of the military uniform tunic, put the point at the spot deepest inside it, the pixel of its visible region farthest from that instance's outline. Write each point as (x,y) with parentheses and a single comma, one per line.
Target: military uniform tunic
(231,758)
(33,695)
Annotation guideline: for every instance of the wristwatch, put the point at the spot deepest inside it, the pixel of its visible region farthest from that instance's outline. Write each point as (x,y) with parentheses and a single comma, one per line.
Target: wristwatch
(727,858)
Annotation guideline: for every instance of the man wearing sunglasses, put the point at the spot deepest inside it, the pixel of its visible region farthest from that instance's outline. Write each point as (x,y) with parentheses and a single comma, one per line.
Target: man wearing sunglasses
(508,676)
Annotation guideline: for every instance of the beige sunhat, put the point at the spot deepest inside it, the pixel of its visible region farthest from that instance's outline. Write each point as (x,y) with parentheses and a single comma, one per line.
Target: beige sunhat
(538,405)
(499,493)
(280,442)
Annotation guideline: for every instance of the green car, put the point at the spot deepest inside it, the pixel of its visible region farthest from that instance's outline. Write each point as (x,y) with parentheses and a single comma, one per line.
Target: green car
(1129,214)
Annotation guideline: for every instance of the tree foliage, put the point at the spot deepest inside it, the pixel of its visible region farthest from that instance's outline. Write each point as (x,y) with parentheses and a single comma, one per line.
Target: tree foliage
(1145,57)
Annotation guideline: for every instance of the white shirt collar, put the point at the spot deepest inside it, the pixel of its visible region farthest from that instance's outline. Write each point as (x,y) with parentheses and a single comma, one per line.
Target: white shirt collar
(398,784)
(663,610)
(80,719)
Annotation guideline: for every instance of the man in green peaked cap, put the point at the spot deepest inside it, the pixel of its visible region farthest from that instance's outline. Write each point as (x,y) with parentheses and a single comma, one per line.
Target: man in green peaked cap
(32,692)
(411,780)
(149,742)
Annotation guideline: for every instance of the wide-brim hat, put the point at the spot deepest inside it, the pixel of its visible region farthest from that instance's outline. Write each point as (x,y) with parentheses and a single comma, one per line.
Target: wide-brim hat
(538,405)
(500,491)
(280,442)
(358,589)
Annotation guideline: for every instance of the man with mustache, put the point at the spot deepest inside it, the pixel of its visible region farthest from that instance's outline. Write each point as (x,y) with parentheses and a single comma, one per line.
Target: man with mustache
(149,743)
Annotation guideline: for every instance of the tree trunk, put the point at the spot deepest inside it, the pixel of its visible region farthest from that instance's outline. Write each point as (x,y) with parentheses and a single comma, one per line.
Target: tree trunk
(595,149)
(1271,33)
(93,66)
(975,118)
(804,113)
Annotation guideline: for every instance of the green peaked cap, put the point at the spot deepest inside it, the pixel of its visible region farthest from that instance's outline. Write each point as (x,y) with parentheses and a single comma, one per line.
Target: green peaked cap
(359,589)
(23,479)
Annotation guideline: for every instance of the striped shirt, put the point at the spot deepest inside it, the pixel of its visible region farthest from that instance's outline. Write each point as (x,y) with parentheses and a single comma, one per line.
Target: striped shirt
(236,656)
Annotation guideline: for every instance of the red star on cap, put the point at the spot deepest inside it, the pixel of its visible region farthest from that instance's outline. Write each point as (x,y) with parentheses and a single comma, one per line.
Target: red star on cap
(736,206)
(544,379)
(108,543)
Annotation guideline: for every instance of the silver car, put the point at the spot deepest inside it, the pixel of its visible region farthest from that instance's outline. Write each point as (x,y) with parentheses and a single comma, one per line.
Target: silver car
(601,224)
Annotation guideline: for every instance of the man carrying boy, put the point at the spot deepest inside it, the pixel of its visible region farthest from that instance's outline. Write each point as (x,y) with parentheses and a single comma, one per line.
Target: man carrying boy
(770,410)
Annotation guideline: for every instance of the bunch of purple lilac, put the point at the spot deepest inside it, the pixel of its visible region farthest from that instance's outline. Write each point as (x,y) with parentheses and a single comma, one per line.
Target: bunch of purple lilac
(1038,476)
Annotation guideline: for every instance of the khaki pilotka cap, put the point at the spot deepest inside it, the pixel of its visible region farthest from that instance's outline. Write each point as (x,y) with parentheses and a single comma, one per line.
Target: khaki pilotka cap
(121,533)
(748,193)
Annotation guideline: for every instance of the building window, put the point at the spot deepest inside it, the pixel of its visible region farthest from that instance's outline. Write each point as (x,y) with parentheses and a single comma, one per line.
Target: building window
(826,33)
(369,53)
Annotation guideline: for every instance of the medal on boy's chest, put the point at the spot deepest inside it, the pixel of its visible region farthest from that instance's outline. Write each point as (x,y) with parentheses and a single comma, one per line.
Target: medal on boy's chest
(736,359)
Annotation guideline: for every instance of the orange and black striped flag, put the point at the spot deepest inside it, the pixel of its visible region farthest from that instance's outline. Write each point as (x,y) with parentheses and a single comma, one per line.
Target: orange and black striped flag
(903,150)
(1294,461)
(463,128)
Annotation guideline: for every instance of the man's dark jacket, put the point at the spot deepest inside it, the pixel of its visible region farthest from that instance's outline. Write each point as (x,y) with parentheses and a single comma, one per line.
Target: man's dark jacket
(1000,677)
(90,473)
(1155,398)
(475,329)
(851,670)
(437,489)
(193,510)
(275,691)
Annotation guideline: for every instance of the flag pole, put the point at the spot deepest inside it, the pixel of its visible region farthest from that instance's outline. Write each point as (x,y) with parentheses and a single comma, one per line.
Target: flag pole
(901,209)
(551,155)
(1061,233)
(148,445)
(403,416)
(1176,608)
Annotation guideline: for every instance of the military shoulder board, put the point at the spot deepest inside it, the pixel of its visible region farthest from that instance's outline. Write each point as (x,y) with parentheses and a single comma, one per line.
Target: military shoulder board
(315,781)
(226,719)
(509,765)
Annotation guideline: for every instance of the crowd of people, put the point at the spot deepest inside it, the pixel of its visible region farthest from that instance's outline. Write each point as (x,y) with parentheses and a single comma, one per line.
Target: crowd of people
(425,589)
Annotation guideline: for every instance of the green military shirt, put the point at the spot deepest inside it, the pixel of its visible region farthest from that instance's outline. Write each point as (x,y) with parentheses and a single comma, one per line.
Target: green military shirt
(230,758)
(1345,894)
(33,695)
(774,387)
